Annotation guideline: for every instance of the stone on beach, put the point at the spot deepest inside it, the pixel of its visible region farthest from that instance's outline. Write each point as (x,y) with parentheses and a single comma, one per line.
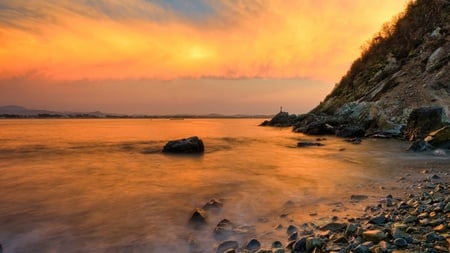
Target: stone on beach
(375,235)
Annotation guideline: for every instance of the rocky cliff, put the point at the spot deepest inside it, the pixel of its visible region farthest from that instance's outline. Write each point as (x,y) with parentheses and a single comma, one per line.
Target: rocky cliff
(403,68)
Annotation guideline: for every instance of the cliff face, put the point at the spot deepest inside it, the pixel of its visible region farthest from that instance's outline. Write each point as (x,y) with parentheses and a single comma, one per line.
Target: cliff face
(406,66)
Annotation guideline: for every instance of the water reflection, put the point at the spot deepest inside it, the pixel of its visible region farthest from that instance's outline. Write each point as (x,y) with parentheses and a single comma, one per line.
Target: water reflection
(104,185)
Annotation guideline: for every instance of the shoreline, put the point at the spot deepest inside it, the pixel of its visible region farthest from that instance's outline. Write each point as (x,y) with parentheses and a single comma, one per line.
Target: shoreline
(409,213)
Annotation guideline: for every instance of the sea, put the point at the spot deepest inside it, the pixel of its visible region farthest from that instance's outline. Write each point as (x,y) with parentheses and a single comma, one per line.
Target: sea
(103,185)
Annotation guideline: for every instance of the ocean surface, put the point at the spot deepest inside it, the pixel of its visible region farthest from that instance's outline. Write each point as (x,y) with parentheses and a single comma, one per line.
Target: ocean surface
(88,185)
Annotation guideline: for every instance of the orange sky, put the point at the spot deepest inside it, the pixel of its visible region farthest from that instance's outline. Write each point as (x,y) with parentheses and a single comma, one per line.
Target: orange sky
(61,41)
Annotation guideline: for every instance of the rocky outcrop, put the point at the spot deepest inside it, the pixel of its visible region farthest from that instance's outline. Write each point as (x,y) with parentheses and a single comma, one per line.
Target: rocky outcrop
(281,119)
(188,145)
(400,86)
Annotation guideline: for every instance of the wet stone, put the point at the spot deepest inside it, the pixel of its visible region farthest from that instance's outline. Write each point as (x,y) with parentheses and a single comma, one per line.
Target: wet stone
(378,220)
(198,217)
(374,236)
(226,246)
(277,244)
(400,243)
(293,236)
(334,227)
(253,245)
(291,229)
(212,204)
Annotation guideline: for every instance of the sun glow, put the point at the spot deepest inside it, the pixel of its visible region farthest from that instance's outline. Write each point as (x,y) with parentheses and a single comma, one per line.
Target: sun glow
(273,40)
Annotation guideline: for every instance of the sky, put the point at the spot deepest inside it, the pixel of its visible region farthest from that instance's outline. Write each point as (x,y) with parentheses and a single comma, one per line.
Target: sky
(178,56)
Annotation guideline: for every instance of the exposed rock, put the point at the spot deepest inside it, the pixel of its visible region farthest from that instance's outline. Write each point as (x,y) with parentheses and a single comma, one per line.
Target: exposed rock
(253,245)
(313,243)
(400,243)
(318,128)
(227,245)
(350,131)
(224,229)
(439,138)
(291,229)
(374,236)
(188,145)
(437,58)
(334,227)
(378,220)
(212,204)
(282,119)
(198,217)
(422,121)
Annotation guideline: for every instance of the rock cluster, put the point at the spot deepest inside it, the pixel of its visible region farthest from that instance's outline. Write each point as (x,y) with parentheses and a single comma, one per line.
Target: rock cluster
(416,223)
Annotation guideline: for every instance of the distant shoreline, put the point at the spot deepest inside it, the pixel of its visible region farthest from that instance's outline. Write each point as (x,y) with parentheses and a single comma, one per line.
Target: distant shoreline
(169,117)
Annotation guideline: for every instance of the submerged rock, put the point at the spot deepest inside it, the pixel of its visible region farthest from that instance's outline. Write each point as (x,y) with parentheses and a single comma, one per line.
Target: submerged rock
(187,145)
(226,246)
(198,217)
(302,144)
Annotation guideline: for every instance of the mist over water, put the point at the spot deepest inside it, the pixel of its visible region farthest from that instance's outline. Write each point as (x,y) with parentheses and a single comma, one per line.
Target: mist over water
(105,186)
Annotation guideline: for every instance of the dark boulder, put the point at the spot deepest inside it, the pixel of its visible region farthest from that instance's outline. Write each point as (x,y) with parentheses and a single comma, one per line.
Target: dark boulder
(188,145)
(422,121)
(439,138)
(350,131)
(318,128)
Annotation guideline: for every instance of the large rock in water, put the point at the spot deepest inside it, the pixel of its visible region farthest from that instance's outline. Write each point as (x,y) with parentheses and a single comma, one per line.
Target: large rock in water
(188,145)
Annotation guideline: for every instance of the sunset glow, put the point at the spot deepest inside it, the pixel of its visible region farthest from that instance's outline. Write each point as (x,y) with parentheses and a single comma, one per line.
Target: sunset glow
(115,55)
(118,39)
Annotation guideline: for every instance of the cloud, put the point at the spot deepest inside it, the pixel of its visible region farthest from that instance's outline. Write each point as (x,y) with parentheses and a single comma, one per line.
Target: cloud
(123,39)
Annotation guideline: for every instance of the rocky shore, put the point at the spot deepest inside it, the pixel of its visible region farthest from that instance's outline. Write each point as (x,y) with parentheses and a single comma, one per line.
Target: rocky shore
(415,219)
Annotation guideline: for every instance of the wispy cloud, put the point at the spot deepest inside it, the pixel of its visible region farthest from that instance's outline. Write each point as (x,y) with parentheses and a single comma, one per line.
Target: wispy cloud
(120,39)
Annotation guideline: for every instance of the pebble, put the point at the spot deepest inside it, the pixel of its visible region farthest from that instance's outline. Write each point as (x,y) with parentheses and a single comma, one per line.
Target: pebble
(253,245)
(374,236)
(416,223)
(400,243)
(227,245)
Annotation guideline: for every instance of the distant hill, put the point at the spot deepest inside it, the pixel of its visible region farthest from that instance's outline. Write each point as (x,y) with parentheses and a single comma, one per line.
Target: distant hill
(14,111)
(19,110)
(404,67)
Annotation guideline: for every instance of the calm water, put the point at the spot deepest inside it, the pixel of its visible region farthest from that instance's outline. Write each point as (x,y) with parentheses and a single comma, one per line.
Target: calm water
(104,185)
